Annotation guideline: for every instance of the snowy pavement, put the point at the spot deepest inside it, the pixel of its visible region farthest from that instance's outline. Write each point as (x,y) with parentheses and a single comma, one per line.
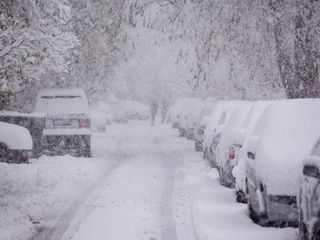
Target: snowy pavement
(143,183)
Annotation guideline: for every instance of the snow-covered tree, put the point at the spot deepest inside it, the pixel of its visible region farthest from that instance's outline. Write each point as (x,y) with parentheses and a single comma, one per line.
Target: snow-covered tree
(35,46)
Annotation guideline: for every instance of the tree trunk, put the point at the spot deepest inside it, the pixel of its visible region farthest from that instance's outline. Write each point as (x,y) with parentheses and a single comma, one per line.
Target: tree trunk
(300,74)
(283,50)
(306,71)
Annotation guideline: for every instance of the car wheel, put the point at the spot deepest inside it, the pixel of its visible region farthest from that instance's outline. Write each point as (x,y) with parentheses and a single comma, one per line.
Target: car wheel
(241,196)
(262,220)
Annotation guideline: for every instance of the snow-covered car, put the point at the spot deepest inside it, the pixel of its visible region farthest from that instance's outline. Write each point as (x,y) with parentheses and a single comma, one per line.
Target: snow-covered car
(200,126)
(192,112)
(212,134)
(15,143)
(282,137)
(185,114)
(101,116)
(181,111)
(175,112)
(240,141)
(135,110)
(68,124)
(309,197)
(227,151)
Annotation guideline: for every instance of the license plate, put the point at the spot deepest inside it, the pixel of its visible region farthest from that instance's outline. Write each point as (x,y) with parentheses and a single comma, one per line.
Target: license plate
(62,122)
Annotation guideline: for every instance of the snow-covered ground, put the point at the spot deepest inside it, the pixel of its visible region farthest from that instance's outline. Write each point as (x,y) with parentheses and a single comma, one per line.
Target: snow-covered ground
(143,183)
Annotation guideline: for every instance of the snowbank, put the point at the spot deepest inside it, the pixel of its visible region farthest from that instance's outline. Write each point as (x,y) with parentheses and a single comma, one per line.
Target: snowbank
(218,216)
(15,137)
(283,136)
(35,194)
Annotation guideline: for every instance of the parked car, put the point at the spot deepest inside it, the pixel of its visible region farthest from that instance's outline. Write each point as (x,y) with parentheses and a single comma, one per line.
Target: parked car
(34,122)
(193,111)
(309,200)
(282,137)
(186,114)
(227,151)
(175,112)
(15,143)
(240,142)
(68,124)
(135,110)
(212,134)
(201,124)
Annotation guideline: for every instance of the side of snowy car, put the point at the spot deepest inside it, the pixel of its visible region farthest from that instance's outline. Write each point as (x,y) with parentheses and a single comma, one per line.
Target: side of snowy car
(240,142)
(282,137)
(68,123)
(215,128)
(309,197)
(201,123)
(228,151)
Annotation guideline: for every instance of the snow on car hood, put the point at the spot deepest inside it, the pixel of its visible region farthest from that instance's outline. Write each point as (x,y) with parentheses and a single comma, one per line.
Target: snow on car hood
(15,137)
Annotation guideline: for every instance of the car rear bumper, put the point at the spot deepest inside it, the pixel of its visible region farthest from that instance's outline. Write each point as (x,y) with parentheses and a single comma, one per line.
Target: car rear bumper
(74,145)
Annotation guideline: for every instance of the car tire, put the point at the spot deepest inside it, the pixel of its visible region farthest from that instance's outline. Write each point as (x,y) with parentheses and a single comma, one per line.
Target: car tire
(262,220)
(241,197)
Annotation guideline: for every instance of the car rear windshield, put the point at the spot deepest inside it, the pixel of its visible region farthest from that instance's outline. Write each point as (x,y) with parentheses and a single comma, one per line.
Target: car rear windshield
(62,104)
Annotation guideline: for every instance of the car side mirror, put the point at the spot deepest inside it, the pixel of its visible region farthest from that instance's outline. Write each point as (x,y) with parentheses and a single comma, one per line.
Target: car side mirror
(311,171)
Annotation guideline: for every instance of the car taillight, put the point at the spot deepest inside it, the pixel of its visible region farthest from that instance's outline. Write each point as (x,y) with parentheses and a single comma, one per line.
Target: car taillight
(232,153)
(84,123)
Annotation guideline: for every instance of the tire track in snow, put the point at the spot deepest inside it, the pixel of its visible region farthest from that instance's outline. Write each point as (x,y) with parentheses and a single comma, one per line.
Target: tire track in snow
(168,225)
(57,230)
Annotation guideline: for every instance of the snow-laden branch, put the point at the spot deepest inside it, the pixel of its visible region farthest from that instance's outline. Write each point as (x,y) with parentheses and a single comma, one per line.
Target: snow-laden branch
(8,49)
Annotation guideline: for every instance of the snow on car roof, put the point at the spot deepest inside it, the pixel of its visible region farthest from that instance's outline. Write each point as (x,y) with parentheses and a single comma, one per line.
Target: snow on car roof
(15,137)
(62,92)
(235,121)
(62,101)
(284,135)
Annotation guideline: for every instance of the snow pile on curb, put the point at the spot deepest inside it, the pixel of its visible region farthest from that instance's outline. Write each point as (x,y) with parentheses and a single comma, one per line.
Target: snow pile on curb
(218,216)
(37,193)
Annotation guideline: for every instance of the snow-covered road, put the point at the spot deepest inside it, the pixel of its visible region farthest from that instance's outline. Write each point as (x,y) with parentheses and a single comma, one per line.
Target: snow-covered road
(135,200)
(144,183)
